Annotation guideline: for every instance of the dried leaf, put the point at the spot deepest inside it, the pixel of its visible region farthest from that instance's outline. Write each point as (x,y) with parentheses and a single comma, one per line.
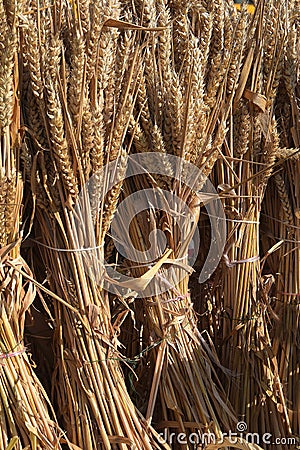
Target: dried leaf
(258,100)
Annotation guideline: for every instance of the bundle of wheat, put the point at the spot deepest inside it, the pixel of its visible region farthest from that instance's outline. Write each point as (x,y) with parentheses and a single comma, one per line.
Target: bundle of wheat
(26,417)
(281,231)
(243,300)
(79,91)
(186,92)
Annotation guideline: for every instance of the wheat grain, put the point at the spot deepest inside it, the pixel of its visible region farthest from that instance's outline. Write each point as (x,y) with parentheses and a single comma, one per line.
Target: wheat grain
(97,19)
(121,59)
(218,56)
(284,198)
(205,27)
(44,184)
(58,140)
(212,153)
(165,37)
(97,152)
(11,9)
(120,125)
(4,29)
(25,158)
(75,85)
(35,118)
(147,13)
(127,101)
(181,36)
(256,137)
(49,181)
(123,54)
(32,58)
(291,62)
(112,198)
(158,146)
(237,53)
(154,89)
(196,104)
(101,48)
(279,57)
(292,154)
(271,26)
(173,119)
(218,25)
(87,138)
(84,15)
(284,112)
(242,126)
(7,47)
(53,57)
(142,106)
(140,140)
(106,58)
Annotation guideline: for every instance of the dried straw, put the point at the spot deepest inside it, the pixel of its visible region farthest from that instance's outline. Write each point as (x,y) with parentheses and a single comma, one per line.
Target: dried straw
(27,419)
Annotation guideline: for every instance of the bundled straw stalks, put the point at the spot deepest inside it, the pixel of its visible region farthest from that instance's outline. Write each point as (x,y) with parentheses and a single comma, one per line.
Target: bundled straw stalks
(26,417)
(128,129)
(256,387)
(78,99)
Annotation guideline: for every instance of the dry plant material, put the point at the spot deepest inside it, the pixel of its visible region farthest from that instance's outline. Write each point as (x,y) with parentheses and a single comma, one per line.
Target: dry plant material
(285,229)
(181,114)
(84,121)
(281,230)
(197,80)
(26,417)
(255,387)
